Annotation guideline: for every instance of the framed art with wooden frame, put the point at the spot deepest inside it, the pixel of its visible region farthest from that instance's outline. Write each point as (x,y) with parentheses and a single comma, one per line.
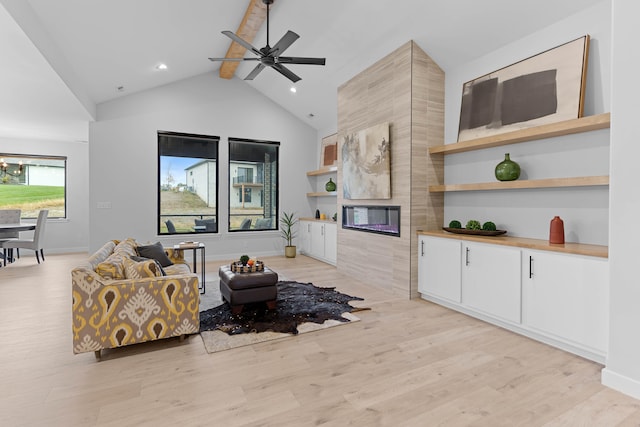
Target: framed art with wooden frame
(329,151)
(546,88)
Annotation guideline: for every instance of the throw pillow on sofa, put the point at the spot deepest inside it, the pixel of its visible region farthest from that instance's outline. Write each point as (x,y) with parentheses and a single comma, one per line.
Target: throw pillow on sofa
(126,247)
(141,259)
(155,251)
(141,269)
(112,267)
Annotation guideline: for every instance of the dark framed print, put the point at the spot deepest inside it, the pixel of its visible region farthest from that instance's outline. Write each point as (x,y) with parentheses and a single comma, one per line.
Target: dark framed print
(545,88)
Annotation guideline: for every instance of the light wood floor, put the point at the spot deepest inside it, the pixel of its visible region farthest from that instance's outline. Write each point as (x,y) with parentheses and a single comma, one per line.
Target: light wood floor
(406,363)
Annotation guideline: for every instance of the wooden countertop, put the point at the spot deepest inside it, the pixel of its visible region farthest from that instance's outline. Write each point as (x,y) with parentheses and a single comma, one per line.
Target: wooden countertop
(329,220)
(523,242)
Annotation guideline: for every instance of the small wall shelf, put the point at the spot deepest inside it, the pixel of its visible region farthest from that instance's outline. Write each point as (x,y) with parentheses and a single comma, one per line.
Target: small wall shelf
(581,181)
(323,171)
(323,194)
(567,127)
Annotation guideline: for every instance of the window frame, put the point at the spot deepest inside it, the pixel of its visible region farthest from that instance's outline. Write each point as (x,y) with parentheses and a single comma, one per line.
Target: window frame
(159,215)
(276,197)
(64,159)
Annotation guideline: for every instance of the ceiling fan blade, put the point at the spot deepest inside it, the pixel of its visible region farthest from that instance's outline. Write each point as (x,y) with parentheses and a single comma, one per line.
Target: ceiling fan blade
(252,75)
(299,60)
(241,42)
(285,72)
(284,43)
(234,59)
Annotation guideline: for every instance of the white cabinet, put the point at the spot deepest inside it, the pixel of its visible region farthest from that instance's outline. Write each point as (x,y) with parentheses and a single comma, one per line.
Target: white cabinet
(491,280)
(558,298)
(331,242)
(319,240)
(439,267)
(304,233)
(567,296)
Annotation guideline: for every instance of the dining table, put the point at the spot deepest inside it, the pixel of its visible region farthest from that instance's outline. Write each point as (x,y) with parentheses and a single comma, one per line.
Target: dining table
(16,226)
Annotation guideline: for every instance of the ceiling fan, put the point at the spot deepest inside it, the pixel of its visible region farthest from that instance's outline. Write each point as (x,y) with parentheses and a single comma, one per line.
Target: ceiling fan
(270,56)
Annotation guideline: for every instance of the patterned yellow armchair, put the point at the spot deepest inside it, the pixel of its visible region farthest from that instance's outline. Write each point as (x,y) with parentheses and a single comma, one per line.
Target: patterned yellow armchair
(120,299)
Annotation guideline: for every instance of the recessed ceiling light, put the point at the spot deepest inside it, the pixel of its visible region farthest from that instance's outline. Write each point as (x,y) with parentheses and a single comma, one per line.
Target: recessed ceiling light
(293,89)
(311,115)
(161,66)
(120,88)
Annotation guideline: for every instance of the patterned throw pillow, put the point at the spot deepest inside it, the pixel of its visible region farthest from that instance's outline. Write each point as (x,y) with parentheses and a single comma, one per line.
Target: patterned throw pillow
(126,247)
(141,259)
(112,267)
(142,269)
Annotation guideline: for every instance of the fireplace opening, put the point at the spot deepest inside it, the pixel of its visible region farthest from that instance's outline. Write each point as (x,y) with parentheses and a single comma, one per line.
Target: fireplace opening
(372,219)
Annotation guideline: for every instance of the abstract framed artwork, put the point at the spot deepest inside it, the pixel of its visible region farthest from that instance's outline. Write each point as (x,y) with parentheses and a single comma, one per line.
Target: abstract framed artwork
(545,88)
(329,151)
(366,164)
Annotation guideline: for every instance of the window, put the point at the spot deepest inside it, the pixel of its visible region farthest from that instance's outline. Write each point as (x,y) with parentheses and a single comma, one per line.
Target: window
(245,197)
(253,184)
(187,183)
(31,183)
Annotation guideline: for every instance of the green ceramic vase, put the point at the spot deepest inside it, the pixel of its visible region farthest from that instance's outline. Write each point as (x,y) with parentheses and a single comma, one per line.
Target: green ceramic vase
(330,186)
(507,170)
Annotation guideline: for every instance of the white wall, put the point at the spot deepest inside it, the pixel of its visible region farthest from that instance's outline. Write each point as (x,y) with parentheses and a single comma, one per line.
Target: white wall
(527,213)
(70,234)
(623,362)
(123,158)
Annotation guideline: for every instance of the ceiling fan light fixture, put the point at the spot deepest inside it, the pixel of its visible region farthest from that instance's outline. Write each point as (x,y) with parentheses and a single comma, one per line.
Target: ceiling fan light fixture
(270,56)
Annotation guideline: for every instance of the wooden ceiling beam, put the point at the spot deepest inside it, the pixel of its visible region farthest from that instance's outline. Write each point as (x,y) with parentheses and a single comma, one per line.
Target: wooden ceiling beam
(253,19)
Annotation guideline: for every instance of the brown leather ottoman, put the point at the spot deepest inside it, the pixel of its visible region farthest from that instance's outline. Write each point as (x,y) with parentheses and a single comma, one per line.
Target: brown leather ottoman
(239,289)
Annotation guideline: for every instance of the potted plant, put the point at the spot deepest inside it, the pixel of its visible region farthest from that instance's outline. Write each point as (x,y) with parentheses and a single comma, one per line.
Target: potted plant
(286,230)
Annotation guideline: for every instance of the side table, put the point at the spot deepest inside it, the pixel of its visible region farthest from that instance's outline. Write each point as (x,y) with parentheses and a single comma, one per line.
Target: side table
(196,246)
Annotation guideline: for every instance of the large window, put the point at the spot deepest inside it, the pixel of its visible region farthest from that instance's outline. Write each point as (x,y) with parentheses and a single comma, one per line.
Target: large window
(253,185)
(187,183)
(31,183)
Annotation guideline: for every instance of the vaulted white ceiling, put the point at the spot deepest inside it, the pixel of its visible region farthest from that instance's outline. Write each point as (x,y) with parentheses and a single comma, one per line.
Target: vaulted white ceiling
(61,58)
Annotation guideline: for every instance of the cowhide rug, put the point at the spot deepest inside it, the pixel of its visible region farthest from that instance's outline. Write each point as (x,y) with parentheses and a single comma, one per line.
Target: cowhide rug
(301,307)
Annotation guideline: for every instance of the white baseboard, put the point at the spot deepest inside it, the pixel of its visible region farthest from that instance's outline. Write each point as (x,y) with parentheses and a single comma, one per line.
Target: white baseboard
(47,251)
(620,383)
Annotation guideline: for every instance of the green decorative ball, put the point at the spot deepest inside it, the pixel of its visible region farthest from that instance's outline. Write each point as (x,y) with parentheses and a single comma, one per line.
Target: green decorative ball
(455,224)
(489,226)
(244,259)
(472,224)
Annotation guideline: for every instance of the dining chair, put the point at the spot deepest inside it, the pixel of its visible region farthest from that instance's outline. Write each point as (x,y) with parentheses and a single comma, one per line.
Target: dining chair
(34,244)
(9,216)
(171,228)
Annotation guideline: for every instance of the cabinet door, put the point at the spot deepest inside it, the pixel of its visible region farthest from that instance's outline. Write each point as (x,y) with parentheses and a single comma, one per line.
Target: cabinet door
(317,240)
(491,280)
(331,242)
(439,267)
(567,296)
(305,237)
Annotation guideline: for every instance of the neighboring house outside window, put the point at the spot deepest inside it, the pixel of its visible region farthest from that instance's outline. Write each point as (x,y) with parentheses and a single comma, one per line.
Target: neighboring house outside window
(31,183)
(187,183)
(253,184)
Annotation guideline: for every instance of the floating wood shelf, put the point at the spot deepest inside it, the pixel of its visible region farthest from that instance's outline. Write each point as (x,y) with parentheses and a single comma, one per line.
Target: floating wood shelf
(323,171)
(323,194)
(581,181)
(567,127)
